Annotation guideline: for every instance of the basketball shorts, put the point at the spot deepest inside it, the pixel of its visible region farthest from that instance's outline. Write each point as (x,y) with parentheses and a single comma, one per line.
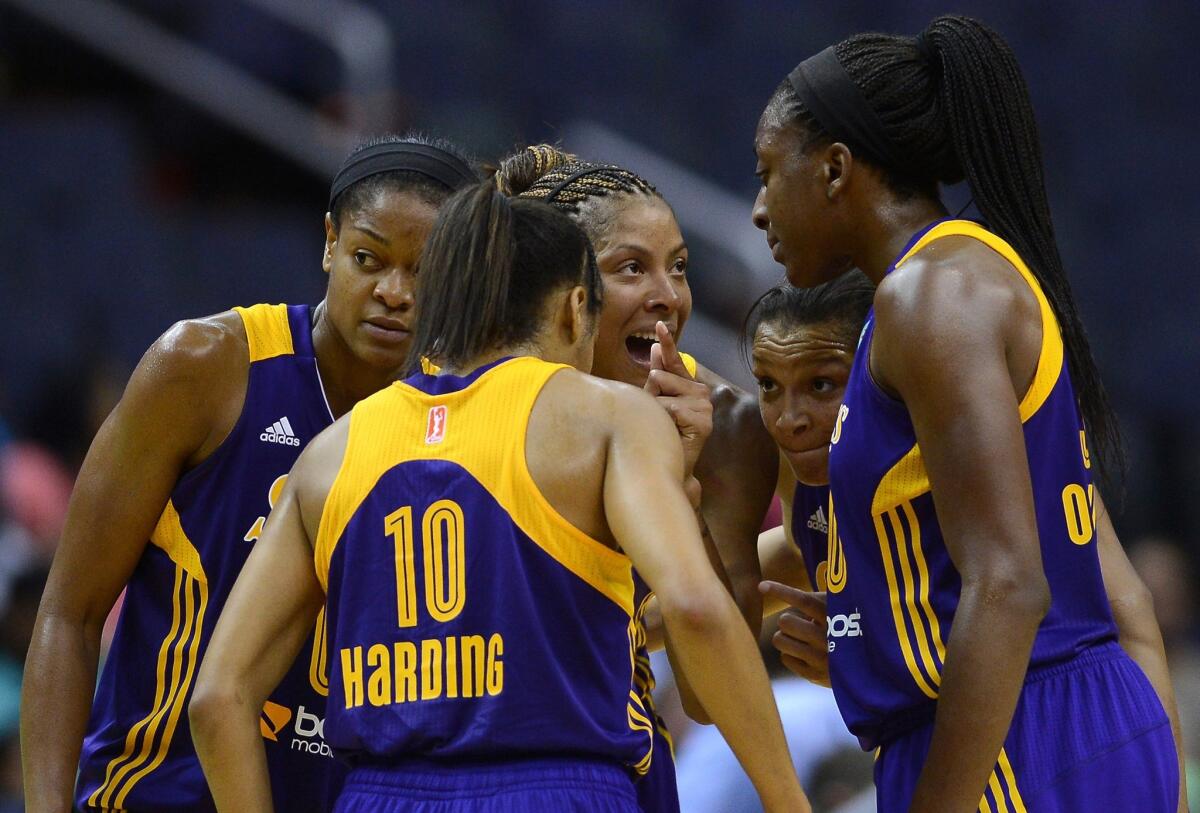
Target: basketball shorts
(567,785)
(1088,734)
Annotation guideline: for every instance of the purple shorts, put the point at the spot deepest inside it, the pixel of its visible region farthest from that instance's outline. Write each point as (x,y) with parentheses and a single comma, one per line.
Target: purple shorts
(1088,734)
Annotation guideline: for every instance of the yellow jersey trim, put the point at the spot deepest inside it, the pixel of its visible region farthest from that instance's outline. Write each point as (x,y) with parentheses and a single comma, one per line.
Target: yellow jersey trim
(907,479)
(1050,360)
(378,441)
(267,331)
(174,671)
(170,536)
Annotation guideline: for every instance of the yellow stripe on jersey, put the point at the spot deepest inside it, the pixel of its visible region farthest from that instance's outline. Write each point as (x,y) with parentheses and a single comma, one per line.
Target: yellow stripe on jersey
(1011,781)
(1002,786)
(267,331)
(902,605)
(390,427)
(175,669)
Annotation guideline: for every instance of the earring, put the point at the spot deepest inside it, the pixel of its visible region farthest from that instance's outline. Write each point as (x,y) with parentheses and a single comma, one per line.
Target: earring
(829,193)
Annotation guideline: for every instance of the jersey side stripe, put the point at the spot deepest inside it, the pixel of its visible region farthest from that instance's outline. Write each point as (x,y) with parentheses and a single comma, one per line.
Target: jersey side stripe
(131,738)
(897,613)
(911,588)
(935,630)
(181,690)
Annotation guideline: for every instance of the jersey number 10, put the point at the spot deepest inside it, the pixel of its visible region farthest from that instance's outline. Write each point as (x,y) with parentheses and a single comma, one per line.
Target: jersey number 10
(442,539)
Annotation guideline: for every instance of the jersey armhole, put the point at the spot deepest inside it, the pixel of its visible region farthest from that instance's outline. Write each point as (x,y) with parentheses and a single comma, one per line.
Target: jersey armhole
(607,570)
(1050,356)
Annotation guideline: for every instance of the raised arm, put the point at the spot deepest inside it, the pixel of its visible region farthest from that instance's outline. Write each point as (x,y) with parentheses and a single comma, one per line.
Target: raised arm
(942,343)
(1133,609)
(737,471)
(179,404)
(266,620)
(650,517)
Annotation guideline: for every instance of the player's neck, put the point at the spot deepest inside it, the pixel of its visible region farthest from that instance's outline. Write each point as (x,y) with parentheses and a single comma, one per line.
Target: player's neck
(468,366)
(886,230)
(345,377)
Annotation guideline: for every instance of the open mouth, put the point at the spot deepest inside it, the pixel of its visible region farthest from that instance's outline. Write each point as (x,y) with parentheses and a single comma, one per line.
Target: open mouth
(638,346)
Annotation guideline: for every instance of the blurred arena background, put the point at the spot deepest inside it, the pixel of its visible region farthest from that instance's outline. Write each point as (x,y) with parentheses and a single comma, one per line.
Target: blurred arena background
(169,158)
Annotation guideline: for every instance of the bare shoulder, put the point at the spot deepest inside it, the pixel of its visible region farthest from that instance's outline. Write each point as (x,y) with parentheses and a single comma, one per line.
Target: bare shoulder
(190,385)
(593,398)
(207,350)
(956,287)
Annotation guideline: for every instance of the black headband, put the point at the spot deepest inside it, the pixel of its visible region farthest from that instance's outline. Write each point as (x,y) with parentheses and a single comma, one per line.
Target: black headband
(444,167)
(829,93)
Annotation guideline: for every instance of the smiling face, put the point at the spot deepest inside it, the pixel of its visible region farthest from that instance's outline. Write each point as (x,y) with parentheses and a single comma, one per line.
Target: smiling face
(371,259)
(802,374)
(643,266)
(794,205)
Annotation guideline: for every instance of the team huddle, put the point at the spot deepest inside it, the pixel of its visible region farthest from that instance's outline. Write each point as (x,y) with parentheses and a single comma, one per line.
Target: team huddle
(409,549)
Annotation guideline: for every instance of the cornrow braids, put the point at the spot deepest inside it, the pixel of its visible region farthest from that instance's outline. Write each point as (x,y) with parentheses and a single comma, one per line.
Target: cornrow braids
(543,172)
(954,104)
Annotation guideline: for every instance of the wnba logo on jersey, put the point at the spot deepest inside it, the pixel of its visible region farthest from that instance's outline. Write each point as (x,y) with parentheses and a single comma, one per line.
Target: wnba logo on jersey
(435,428)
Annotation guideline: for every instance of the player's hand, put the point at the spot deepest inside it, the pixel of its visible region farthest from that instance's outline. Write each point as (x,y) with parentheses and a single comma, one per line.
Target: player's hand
(685,399)
(802,629)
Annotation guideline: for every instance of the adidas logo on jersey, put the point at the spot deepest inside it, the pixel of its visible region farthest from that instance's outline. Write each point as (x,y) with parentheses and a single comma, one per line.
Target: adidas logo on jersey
(817,521)
(280,432)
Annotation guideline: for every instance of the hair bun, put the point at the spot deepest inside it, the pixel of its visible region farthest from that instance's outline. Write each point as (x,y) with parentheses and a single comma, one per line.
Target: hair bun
(518,172)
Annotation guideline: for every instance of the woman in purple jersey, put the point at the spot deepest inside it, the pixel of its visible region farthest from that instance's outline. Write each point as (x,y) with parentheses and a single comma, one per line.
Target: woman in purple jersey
(851,149)
(801,344)
(181,404)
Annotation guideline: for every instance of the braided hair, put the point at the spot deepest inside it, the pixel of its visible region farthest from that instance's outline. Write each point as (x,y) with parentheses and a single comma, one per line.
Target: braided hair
(578,188)
(954,104)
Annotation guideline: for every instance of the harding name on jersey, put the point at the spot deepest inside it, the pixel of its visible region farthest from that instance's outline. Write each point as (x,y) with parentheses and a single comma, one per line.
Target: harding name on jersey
(280,432)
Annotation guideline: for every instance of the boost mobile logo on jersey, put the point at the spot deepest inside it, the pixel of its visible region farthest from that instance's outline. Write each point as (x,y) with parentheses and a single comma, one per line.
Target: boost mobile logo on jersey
(309,729)
(843,626)
(272,720)
(435,428)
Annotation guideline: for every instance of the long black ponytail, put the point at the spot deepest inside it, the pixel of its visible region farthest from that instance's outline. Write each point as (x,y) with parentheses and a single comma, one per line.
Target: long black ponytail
(954,104)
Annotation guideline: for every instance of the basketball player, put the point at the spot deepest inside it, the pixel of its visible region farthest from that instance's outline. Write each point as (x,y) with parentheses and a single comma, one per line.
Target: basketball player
(801,343)
(470,533)
(973,386)
(174,494)
(643,263)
